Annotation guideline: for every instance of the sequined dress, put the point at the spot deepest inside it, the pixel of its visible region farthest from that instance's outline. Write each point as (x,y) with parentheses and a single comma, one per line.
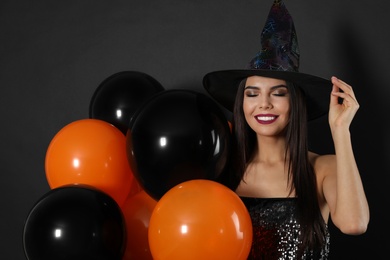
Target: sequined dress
(276,230)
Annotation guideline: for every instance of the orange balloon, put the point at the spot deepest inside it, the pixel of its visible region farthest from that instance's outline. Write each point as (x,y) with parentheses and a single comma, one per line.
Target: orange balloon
(200,219)
(91,152)
(137,211)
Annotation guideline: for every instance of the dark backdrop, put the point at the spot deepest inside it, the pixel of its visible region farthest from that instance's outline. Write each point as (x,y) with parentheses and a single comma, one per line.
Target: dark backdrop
(54,54)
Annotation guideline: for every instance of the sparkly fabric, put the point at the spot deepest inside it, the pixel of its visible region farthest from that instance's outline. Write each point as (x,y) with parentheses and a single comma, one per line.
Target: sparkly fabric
(276,230)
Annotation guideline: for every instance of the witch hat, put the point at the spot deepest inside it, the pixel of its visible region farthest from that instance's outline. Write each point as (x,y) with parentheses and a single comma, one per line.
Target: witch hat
(278,58)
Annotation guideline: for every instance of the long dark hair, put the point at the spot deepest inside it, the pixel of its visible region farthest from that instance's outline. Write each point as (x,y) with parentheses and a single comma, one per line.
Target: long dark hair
(301,172)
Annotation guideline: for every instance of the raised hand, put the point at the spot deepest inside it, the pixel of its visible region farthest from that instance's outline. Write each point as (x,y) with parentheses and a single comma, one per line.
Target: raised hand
(341,115)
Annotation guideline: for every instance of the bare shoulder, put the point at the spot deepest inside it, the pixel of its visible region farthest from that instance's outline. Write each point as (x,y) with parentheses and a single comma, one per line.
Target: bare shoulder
(325,171)
(322,164)
(324,167)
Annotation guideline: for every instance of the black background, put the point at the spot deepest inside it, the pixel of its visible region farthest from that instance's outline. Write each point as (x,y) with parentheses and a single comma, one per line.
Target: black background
(54,54)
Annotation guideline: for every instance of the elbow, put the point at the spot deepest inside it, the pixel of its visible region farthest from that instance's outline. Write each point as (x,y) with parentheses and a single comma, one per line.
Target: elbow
(354,230)
(354,223)
(357,227)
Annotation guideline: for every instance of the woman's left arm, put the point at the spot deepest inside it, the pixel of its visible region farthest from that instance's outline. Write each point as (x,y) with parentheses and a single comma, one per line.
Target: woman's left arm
(343,186)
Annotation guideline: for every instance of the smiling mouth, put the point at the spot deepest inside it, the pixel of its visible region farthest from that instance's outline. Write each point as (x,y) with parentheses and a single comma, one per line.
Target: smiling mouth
(266,119)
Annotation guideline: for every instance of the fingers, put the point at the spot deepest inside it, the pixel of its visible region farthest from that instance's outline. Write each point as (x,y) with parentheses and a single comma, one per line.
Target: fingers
(343,86)
(346,92)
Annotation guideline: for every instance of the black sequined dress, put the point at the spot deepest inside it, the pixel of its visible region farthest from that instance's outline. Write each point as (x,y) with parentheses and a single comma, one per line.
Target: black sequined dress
(276,230)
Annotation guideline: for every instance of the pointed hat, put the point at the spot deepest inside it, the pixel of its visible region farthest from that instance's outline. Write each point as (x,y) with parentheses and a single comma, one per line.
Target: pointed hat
(278,58)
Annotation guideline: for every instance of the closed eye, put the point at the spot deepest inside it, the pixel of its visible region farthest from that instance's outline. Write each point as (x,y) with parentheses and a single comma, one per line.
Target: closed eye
(280,94)
(280,91)
(251,92)
(251,95)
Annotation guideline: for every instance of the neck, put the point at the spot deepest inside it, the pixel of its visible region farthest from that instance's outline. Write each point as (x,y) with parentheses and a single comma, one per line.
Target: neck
(270,149)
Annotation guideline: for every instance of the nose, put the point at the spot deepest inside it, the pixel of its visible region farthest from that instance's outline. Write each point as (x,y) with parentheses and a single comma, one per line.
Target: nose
(265,103)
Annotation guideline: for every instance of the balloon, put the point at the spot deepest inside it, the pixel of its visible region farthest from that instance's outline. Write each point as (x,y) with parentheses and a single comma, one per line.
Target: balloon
(92,152)
(200,219)
(178,135)
(135,188)
(74,222)
(118,97)
(137,211)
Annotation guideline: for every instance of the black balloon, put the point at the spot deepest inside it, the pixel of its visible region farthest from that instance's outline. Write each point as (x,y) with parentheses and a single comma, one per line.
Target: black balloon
(74,222)
(118,97)
(176,136)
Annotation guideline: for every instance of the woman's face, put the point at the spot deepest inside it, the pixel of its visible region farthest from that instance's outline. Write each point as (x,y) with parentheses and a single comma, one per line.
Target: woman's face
(266,105)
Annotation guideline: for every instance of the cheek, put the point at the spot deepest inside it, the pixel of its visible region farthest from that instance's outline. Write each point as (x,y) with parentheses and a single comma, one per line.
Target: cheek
(248,106)
(283,106)
(287,109)
(285,113)
(248,109)
(248,118)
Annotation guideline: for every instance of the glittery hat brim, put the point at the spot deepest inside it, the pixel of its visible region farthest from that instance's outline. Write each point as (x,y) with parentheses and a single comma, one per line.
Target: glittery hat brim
(223,85)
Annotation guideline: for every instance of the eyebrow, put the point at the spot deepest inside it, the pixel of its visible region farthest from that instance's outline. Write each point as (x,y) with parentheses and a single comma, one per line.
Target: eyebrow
(272,88)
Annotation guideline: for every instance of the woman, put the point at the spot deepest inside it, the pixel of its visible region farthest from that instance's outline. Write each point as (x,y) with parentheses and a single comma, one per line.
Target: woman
(290,192)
